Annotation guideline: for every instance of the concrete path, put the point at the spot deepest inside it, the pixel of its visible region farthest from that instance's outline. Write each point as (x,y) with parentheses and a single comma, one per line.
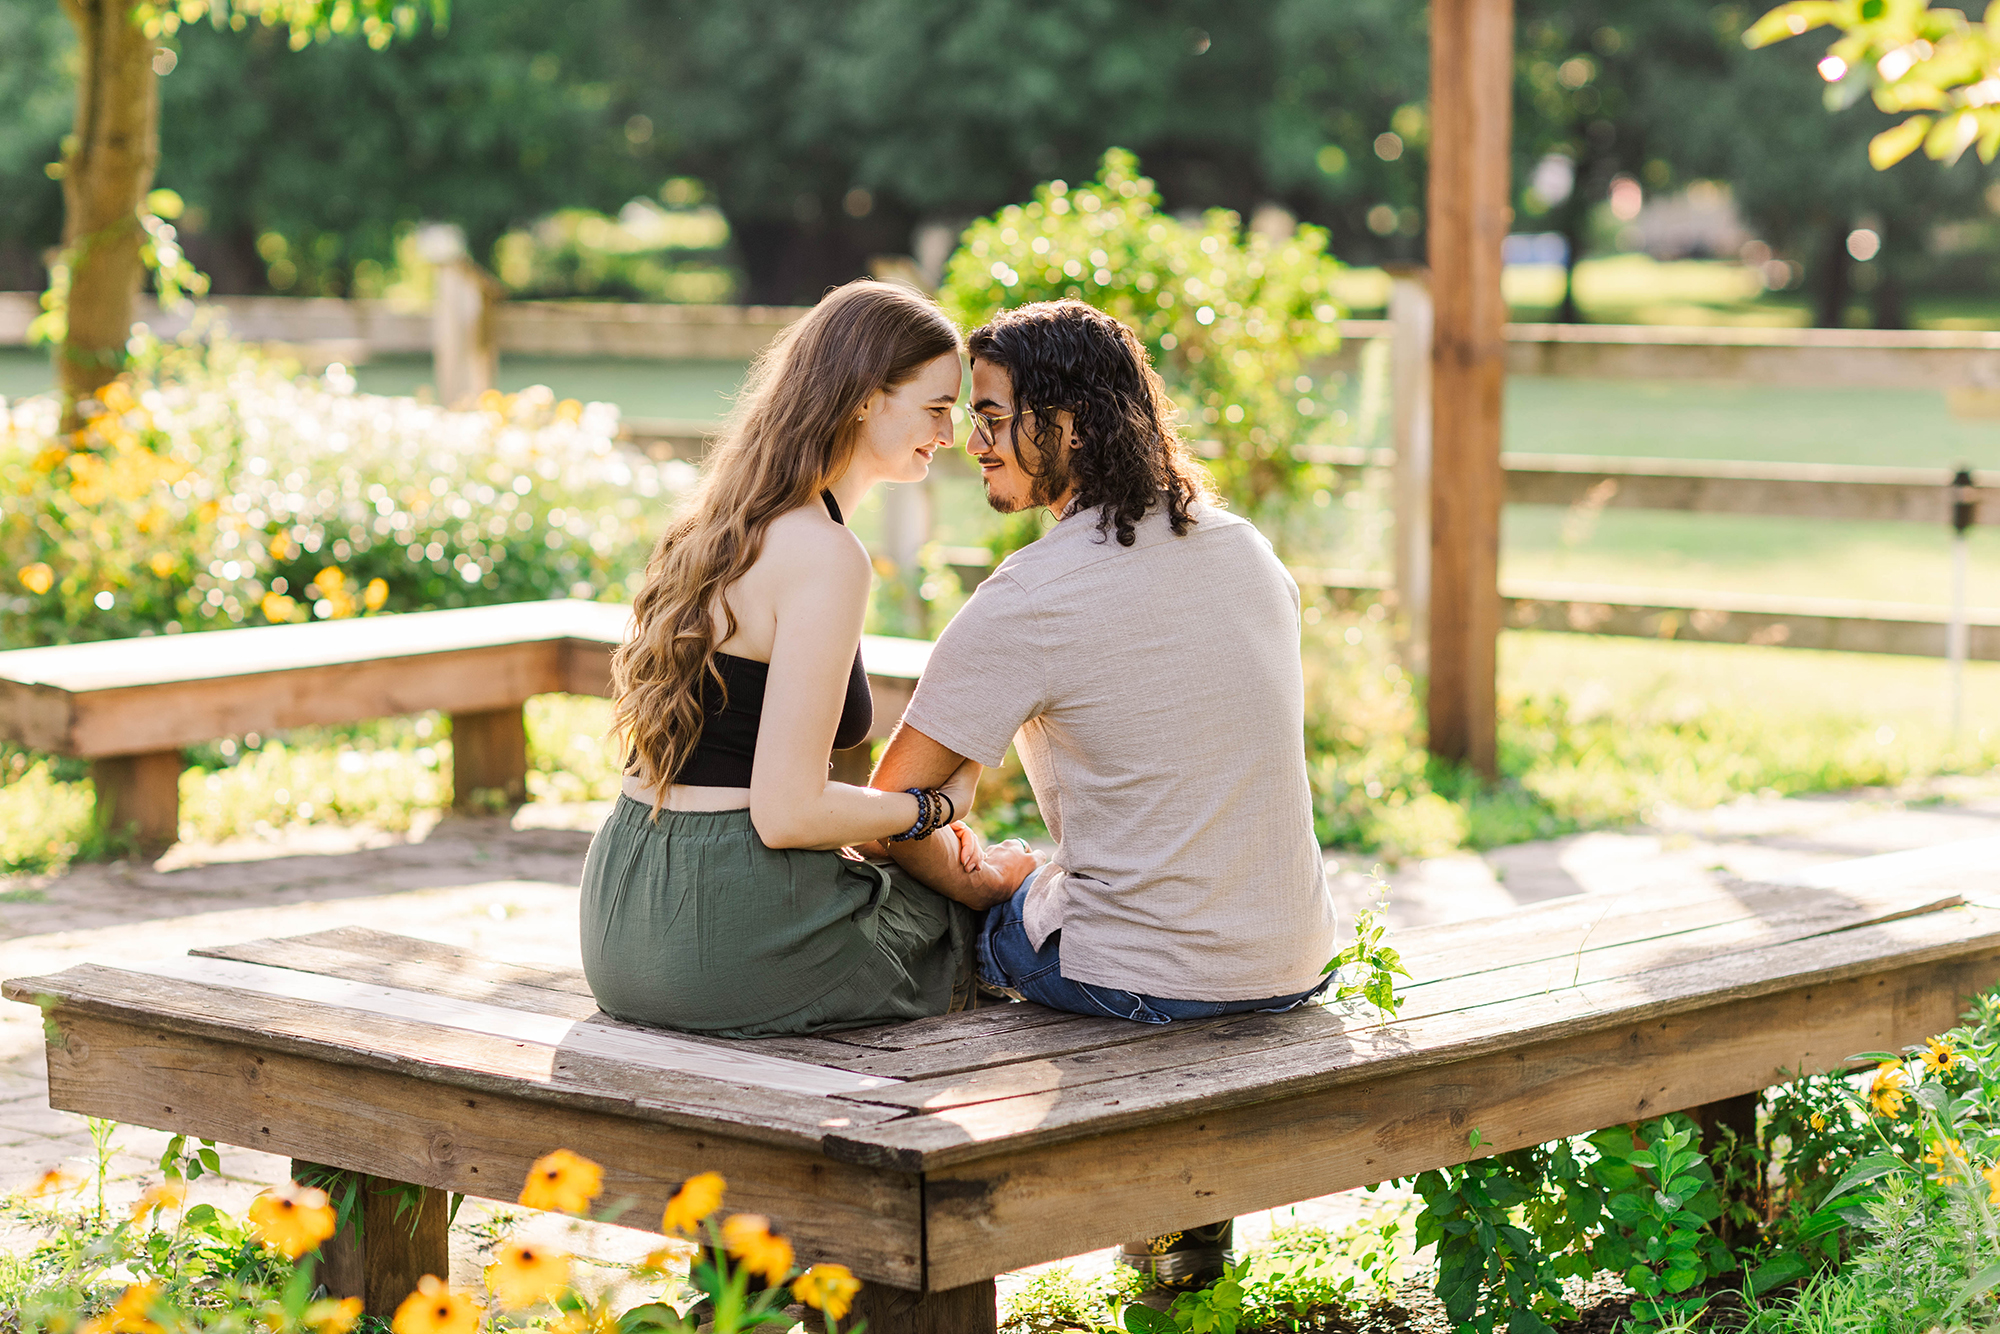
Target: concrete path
(509,889)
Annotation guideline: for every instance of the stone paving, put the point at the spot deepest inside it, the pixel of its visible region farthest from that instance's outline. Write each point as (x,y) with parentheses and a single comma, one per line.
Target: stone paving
(508,888)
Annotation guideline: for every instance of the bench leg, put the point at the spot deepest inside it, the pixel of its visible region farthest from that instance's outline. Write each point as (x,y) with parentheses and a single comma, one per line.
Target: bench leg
(972,1309)
(382,1266)
(1740,1115)
(489,754)
(141,793)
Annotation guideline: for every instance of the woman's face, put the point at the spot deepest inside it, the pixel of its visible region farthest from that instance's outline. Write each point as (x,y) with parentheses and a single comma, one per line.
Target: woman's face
(902,428)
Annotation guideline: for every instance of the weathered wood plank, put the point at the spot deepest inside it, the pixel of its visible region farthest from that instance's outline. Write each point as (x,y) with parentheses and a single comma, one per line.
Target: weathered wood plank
(1330,1059)
(363,955)
(1722,486)
(1241,1037)
(474,1062)
(593,1036)
(422,1129)
(489,756)
(1017,1208)
(140,794)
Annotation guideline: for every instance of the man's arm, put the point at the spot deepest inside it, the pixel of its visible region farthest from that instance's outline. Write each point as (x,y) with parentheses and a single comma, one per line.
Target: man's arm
(912,759)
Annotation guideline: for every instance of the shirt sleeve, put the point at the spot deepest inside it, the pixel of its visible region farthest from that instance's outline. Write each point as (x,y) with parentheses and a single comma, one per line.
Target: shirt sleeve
(985,676)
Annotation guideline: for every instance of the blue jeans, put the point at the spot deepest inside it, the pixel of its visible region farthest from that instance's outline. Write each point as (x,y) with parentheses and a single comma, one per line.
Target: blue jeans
(1006,959)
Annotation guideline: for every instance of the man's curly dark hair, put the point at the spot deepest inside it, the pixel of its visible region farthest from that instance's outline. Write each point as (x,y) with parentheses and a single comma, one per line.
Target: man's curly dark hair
(1068,356)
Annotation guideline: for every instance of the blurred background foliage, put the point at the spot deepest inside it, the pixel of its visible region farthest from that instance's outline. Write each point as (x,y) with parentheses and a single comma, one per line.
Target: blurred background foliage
(825,137)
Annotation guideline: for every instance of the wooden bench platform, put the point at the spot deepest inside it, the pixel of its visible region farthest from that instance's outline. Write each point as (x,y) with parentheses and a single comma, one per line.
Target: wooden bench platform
(129,705)
(932,1156)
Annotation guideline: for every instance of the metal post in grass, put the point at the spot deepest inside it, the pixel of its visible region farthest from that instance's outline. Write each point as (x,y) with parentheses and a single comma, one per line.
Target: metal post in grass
(1964,501)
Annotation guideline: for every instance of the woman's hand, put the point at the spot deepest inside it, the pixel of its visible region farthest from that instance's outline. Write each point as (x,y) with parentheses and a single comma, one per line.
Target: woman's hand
(962,787)
(969,853)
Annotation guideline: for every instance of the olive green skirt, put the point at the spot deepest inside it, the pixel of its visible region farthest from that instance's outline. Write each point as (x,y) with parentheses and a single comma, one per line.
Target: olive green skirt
(690,922)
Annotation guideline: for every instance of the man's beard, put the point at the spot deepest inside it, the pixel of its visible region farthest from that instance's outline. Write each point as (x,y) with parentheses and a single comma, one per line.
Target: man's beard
(1043,487)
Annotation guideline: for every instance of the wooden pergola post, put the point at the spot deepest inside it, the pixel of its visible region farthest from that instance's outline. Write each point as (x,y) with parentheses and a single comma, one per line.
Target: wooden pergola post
(1472,75)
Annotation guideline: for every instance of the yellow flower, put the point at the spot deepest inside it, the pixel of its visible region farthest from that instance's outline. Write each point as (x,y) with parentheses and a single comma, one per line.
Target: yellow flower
(1817,1120)
(282,547)
(562,1181)
(590,1320)
(569,410)
(1938,1056)
(293,1218)
(48,460)
(1886,1093)
(331,1316)
(166,1195)
(1946,1155)
(828,1288)
(377,593)
(526,1273)
(162,563)
(698,1197)
(492,400)
(750,1240)
(435,1308)
(37,578)
(52,1182)
(129,1315)
(1992,1175)
(278,608)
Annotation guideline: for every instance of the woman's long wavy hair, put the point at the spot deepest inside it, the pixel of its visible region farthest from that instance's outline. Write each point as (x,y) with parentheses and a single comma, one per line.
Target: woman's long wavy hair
(1068,356)
(791,435)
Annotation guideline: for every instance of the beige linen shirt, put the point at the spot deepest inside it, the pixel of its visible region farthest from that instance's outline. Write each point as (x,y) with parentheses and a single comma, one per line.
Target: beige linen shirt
(1160,706)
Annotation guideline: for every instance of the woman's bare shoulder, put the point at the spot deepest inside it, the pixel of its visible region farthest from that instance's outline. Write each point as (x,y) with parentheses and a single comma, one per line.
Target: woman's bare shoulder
(808,545)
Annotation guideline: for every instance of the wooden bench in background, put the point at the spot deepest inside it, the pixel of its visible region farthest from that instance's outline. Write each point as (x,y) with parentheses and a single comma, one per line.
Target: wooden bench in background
(130,705)
(931,1156)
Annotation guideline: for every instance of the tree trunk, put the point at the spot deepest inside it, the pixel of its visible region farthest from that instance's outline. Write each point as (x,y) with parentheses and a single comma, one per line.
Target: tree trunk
(1831,285)
(1891,295)
(1573,225)
(106,173)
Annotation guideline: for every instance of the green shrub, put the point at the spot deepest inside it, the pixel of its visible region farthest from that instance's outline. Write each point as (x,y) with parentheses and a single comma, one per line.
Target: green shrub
(215,490)
(1233,319)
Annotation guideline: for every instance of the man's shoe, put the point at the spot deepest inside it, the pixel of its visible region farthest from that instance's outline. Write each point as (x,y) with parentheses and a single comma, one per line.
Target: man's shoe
(1184,1261)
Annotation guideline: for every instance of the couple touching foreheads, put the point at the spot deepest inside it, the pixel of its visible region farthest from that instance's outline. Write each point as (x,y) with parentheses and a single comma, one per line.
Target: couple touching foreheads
(1143,655)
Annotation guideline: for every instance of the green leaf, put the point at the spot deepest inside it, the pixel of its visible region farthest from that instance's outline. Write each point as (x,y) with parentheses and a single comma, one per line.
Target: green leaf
(1779,1269)
(1891,146)
(1872,1168)
(1145,1320)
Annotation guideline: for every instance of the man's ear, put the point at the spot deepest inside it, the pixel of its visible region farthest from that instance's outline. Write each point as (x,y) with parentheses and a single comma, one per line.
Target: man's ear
(1067,421)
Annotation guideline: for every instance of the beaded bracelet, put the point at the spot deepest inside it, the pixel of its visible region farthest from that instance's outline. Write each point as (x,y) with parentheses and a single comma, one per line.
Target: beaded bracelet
(932,803)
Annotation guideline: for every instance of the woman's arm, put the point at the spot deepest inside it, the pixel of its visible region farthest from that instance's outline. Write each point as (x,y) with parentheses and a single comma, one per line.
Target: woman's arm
(819,577)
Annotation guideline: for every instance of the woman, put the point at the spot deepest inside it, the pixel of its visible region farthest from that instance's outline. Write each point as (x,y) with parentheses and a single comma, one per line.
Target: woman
(715,898)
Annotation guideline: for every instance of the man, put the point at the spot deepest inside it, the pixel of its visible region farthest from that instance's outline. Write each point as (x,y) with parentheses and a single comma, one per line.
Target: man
(1146,652)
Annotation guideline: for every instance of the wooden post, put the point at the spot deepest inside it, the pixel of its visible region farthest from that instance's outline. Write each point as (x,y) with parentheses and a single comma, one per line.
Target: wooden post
(1472,71)
(906,527)
(489,754)
(972,1309)
(383,1264)
(1410,395)
(465,355)
(140,794)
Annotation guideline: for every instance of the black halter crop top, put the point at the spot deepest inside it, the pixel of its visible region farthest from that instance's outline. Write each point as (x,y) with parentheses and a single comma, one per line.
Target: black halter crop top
(728,740)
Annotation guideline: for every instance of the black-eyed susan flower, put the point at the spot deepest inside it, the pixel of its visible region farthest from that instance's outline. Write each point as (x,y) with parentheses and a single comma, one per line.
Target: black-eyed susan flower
(131,1314)
(52,1182)
(1947,1156)
(1886,1092)
(436,1308)
(1992,1175)
(563,1181)
(698,1197)
(524,1273)
(750,1241)
(332,1315)
(166,1195)
(292,1218)
(1938,1056)
(828,1288)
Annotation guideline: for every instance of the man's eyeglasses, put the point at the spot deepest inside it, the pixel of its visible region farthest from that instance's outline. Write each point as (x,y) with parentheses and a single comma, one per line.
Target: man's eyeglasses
(987,425)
